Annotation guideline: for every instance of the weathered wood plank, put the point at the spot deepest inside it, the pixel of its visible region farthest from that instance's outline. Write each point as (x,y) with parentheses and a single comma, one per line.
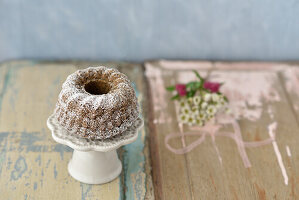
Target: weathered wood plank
(170,171)
(216,168)
(137,172)
(33,166)
(290,81)
(252,182)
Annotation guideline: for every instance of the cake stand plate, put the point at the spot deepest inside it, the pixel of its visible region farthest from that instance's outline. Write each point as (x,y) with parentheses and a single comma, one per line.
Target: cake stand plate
(93,161)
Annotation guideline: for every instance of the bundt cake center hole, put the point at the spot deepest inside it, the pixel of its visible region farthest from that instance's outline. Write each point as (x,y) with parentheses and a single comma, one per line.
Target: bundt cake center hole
(97,87)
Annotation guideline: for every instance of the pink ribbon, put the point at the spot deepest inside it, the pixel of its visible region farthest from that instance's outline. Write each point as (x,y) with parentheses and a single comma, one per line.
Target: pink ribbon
(213,130)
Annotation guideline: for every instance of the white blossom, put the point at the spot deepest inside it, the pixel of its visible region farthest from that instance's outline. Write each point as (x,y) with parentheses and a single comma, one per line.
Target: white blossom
(202,115)
(209,117)
(191,120)
(207,97)
(183,103)
(199,122)
(201,108)
(215,97)
(204,105)
(211,110)
(186,111)
(190,100)
(183,118)
(196,100)
(194,111)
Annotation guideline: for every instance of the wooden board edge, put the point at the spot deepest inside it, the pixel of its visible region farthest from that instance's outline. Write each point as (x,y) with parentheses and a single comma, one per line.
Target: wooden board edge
(151,132)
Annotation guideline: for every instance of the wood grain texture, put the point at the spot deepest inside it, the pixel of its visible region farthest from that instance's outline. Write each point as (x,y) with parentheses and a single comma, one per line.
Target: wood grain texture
(170,171)
(32,165)
(264,104)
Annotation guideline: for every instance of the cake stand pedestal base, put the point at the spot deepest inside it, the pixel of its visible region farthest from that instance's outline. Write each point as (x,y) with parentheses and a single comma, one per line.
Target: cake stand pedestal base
(94,161)
(94,167)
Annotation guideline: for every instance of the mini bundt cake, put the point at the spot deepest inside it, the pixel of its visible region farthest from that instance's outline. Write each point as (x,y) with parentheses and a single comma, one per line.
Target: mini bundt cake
(97,103)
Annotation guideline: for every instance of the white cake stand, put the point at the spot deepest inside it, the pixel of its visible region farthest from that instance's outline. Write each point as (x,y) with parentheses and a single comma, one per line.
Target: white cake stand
(93,161)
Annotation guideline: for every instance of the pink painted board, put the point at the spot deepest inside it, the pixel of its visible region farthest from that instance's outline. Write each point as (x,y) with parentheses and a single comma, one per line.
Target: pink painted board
(250,155)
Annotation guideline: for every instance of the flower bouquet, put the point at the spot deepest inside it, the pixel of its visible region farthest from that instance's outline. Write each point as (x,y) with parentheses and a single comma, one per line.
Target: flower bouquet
(199,101)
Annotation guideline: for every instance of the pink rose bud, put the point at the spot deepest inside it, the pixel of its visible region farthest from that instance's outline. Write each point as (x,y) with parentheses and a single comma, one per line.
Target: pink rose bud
(212,86)
(181,89)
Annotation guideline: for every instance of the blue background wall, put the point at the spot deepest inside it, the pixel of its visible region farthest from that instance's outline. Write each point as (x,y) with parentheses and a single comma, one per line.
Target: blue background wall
(148,29)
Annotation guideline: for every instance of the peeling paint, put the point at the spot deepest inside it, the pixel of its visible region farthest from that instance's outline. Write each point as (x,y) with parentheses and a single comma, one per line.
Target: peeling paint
(288,151)
(61,149)
(85,188)
(35,185)
(55,171)
(5,86)
(3,137)
(8,163)
(133,165)
(28,140)
(271,130)
(38,160)
(48,163)
(19,168)
(134,174)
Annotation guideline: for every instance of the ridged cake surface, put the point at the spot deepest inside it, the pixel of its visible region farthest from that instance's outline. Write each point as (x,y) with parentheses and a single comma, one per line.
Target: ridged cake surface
(97,103)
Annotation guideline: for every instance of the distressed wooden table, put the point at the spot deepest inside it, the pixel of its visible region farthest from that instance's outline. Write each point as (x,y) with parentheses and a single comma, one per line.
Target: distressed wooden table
(32,165)
(264,98)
